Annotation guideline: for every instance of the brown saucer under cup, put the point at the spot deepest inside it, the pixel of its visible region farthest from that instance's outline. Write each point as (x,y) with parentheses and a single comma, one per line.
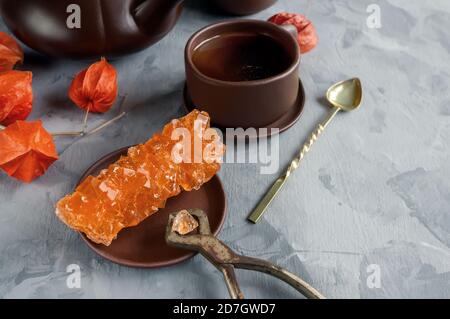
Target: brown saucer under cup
(254,103)
(280,125)
(144,246)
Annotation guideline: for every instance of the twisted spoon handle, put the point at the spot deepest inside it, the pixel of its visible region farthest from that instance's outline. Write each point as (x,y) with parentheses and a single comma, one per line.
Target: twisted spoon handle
(279,183)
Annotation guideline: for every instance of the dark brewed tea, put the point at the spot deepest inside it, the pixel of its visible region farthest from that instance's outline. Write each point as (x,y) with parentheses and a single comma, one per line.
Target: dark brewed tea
(241,57)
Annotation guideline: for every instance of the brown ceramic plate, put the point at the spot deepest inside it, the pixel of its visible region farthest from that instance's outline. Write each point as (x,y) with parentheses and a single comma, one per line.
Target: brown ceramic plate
(282,124)
(144,245)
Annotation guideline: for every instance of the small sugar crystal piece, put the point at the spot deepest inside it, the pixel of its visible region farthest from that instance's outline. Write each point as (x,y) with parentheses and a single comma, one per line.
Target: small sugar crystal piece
(139,184)
(184,223)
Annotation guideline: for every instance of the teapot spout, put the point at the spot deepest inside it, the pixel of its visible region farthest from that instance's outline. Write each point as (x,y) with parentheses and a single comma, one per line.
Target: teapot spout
(157,17)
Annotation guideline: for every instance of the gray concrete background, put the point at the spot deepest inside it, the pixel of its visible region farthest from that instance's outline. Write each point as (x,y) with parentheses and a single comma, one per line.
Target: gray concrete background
(375,190)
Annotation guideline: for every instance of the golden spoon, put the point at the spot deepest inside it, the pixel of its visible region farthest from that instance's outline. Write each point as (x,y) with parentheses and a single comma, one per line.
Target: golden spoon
(345,96)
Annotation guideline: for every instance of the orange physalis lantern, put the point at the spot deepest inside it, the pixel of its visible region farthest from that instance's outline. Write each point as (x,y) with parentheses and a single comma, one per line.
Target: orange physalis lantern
(27,150)
(10,52)
(95,88)
(16,96)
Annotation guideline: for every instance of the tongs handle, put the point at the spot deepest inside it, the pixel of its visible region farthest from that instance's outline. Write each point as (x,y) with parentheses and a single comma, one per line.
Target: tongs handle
(225,259)
(263,266)
(231,281)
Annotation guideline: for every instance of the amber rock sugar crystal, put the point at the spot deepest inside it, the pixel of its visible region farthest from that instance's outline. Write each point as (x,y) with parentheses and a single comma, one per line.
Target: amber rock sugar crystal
(139,184)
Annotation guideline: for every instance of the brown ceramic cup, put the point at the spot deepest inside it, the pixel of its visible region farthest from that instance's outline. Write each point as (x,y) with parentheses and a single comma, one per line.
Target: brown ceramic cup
(245,104)
(243,7)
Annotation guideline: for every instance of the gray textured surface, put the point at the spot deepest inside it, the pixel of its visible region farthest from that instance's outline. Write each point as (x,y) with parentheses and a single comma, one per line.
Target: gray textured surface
(375,189)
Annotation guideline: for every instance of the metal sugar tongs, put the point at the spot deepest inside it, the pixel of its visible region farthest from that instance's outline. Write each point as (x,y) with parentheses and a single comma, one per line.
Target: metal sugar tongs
(225,260)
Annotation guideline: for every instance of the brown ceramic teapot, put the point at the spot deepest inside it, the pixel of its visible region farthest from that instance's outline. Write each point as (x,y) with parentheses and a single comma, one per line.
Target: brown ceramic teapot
(243,7)
(85,28)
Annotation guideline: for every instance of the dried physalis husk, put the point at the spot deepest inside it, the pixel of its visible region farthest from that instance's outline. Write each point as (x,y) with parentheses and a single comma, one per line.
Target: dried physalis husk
(10,52)
(16,96)
(27,150)
(184,223)
(95,89)
(307,35)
